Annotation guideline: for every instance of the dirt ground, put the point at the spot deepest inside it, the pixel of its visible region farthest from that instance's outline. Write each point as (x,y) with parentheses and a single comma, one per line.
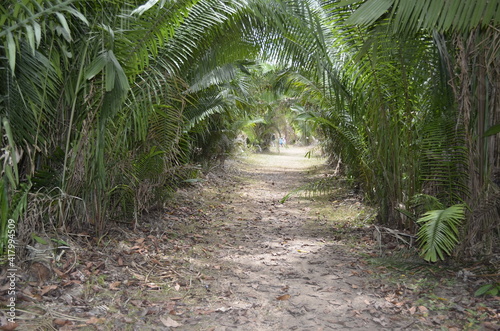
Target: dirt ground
(227,255)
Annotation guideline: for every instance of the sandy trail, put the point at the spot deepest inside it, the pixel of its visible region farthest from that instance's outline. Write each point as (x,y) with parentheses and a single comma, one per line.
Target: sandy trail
(225,254)
(280,265)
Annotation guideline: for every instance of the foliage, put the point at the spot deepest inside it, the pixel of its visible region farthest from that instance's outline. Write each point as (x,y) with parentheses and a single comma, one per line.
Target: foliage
(462,36)
(488,289)
(439,232)
(13,195)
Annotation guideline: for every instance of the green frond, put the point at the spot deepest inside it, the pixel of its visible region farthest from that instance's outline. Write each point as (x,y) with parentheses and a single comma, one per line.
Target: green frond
(438,234)
(440,15)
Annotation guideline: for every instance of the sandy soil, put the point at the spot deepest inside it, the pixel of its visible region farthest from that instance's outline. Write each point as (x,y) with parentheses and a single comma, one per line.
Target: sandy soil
(281,266)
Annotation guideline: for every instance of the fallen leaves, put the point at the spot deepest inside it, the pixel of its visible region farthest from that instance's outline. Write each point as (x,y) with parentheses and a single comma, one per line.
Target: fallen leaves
(170,323)
(284,297)
(47,289)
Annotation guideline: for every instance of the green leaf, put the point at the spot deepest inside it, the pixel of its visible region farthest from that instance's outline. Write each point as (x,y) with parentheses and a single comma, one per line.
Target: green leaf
(347,2)
(492,130)
(369,12)
(110,74)
(39,240)
(30,34)
(120,73)
(96,66)
(439,232)
(38,33)
(11,51)
(60,242)
(76,13)
(65,26)
(143,8)
(491,289)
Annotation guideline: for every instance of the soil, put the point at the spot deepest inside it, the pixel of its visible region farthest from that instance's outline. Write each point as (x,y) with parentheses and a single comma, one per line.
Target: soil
(226,254)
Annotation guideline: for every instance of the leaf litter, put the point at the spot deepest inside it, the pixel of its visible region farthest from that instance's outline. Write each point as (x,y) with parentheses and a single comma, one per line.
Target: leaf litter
(227,255)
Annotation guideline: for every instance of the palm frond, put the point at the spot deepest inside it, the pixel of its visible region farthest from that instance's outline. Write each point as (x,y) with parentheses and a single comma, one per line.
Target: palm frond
(439,232)
(440,15)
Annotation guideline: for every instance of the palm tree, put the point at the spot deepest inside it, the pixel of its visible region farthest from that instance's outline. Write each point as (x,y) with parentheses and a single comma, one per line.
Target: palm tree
(103,98)
(466,36)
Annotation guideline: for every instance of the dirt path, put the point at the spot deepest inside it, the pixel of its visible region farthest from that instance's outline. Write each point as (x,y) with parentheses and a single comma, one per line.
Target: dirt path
(226,255)
(280,266)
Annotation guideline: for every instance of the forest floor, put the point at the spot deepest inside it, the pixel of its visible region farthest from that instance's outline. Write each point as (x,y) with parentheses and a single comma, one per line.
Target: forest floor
(225,254)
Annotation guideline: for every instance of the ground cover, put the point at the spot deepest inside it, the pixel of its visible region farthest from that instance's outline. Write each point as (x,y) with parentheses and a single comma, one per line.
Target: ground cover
(226,254)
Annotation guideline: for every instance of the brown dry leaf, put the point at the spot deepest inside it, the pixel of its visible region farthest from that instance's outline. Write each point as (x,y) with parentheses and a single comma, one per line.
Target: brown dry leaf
(423,309)
(47,289)
(9,326)
(139,277)
(94,320)
(114,286)
(153,286)
(58,272)
(60,321)
(205,312)
(137,303)
(399,304)
(491,326)
(284,297)
(168,322)
(70,282)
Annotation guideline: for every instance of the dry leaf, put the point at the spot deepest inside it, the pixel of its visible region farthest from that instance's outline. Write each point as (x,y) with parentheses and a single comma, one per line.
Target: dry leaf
(168,322)
(120,261)
(94,320)
(58,272)
(413,310)
(284,297)
(423,309)
(114,286)
(139,277)
(9,326)
(60,321)
(47,289)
